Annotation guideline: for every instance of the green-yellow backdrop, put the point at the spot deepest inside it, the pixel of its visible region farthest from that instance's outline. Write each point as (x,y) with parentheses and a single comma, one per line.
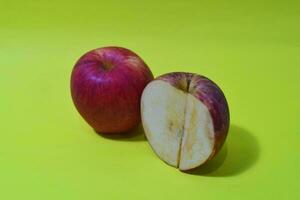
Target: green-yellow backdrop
(251,49)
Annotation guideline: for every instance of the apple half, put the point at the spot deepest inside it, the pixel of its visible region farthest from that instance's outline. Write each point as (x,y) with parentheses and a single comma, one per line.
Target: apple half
(185,117)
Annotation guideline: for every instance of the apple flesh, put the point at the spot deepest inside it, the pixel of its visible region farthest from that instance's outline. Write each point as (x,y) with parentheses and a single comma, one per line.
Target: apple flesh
(106,87)
(185,117)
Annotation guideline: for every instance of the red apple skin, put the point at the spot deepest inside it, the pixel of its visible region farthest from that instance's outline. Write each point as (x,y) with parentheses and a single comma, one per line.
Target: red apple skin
(210,95)
(106,88)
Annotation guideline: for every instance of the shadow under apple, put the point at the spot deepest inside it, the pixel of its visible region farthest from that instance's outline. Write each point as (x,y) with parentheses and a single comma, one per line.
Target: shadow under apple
(239,153)
(135,135)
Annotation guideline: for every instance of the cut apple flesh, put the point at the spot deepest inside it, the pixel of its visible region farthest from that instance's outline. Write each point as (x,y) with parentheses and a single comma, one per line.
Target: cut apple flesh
(163,119)
(198,136)
(178,126)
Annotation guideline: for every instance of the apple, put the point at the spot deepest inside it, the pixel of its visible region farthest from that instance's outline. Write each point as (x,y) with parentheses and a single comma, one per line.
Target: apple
(185,117)
(106,88)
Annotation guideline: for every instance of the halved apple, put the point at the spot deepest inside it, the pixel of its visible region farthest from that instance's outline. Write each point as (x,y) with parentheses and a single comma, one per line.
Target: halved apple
(185,117)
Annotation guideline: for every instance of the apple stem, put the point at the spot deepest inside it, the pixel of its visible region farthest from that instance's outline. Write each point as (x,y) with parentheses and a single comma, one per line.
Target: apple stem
(188,85)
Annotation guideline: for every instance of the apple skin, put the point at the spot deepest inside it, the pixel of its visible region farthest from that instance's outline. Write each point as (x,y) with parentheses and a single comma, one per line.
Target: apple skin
(106,88)
(210,95)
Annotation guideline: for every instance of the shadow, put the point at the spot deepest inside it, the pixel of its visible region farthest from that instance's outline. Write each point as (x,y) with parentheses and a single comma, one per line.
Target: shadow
(134,135)
(239,153)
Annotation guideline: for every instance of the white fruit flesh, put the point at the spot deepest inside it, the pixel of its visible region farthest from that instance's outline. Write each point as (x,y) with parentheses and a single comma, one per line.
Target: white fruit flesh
(163,108)
(178,126)
(198,137)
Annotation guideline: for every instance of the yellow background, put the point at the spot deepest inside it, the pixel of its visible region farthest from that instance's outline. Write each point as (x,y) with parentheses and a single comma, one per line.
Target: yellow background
(250,48)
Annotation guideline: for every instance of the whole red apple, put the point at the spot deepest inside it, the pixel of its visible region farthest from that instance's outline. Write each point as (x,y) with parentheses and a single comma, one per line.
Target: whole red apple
(106,87)
(185,117)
